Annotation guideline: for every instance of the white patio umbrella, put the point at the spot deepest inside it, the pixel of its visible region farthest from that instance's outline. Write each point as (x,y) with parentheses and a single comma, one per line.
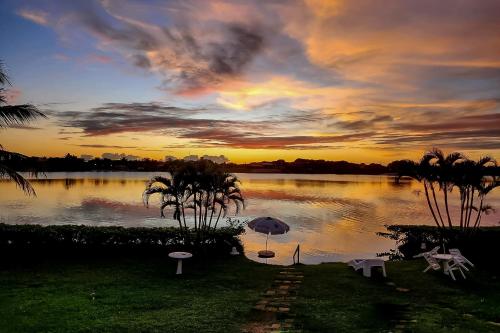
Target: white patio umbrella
(269,226)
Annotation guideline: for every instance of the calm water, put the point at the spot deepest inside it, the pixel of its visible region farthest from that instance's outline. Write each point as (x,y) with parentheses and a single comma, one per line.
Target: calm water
(332,217)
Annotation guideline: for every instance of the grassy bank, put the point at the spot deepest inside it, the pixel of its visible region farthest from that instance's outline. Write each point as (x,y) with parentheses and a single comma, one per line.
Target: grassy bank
(130,295)
(144,295)
(335,299)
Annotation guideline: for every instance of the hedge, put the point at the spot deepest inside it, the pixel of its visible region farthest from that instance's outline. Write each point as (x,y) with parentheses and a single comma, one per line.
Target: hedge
(71,239)
(481,246)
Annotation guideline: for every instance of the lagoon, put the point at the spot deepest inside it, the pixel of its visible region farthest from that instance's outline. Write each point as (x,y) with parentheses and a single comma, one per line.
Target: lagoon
(332,217)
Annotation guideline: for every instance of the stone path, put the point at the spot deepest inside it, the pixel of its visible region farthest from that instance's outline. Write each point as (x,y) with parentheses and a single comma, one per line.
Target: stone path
(273,309)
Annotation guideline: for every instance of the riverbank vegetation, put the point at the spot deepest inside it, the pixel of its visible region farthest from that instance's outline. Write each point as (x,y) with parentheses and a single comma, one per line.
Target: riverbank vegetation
(411,240)
(36,241)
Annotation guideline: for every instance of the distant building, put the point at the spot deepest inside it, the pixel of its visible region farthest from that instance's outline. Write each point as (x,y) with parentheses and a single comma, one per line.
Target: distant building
(191,158)
(216,159)
(114,156)
(170,158)
(86,158)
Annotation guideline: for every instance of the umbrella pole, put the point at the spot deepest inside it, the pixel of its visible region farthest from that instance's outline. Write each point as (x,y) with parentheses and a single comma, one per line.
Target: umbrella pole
(266,240)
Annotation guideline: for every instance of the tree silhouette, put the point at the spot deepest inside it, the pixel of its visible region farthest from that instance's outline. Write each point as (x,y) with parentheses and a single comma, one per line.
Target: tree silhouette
(441,174)
(203,187)
(14,115)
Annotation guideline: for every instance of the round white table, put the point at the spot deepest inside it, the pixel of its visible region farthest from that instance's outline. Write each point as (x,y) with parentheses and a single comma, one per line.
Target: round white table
(179,256)
(445,259)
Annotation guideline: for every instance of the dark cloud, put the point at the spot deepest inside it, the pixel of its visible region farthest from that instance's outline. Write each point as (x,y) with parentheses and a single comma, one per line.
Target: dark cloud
(362,123)
(141,61)
(473,123)
(236,51)
(224,137)
(96,20)
(204,65)
(106,146)
(114,118)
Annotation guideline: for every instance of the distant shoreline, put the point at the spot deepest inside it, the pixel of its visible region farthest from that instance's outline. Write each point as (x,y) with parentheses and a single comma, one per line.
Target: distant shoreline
(71,163)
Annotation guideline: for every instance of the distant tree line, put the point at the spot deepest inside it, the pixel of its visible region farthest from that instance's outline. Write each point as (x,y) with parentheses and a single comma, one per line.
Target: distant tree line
(73,163)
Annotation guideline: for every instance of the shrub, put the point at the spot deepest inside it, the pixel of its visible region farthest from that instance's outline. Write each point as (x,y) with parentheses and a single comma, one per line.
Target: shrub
(62,240)
(479,246)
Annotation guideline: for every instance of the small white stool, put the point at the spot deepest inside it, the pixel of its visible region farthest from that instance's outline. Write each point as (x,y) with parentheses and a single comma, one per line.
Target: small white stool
(179,256)
(369,263)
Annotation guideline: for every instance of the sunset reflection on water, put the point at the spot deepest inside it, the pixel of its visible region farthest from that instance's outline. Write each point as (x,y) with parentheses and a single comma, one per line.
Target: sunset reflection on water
(332,217)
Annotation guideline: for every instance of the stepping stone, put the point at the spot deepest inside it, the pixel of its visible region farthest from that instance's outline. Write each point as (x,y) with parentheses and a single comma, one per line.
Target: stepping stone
(404,290)
(493,323)
(260,307)
(284,309)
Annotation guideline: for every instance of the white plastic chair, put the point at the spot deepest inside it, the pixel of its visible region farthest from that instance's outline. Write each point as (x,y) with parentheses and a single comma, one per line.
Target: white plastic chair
(459,258)
(433,263)
(454,265)
(431,252)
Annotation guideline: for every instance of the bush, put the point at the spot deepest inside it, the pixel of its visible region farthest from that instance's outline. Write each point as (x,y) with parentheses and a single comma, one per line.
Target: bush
(62,240)
(480,246)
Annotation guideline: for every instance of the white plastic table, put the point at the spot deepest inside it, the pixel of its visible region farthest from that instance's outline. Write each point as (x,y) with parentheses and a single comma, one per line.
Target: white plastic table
(445,258)
(179,256)
(369,263)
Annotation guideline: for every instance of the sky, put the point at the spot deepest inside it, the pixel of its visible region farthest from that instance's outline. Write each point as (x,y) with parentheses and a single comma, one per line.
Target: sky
(363,81)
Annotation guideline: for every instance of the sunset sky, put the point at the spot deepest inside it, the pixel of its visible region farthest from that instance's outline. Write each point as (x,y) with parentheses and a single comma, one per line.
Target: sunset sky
(364,81)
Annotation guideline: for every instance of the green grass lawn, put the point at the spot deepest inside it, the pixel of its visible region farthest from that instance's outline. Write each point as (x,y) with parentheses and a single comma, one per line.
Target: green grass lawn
(133,295)
(145,295)
(336,299)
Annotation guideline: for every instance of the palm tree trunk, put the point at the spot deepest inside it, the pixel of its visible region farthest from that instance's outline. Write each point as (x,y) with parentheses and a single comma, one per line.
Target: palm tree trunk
(467,206)
(218,217)
(184,216)
(462,202)
(470,205)
(446,206)
(206,212)
(212,213)
(479,212)
(436,203)
(195,228)
(430,205)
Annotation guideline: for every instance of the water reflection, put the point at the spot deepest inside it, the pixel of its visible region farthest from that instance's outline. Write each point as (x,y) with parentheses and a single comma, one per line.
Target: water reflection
(333,217)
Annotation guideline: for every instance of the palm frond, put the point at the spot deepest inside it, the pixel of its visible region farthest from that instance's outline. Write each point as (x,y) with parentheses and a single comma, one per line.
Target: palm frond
(21,182)
(150,191)
(18,114)
(484,161)
(4,79)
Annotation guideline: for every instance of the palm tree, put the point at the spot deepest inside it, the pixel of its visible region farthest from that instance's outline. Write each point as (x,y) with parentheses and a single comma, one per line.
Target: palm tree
(227,192)
(174,193)
(437,171)
(440,169)
(201,186)
(14,115)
